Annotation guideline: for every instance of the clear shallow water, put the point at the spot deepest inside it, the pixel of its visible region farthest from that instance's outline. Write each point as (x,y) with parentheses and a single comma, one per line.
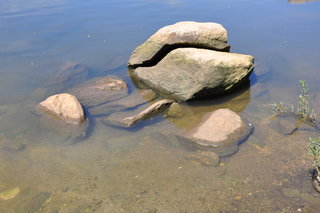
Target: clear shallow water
(115,170)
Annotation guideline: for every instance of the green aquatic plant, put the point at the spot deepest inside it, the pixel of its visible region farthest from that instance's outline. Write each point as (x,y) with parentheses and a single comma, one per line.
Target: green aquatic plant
(280,108)
(303,110)
(314,147)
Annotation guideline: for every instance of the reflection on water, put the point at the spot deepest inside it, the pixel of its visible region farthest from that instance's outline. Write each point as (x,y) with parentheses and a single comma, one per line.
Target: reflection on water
(300,1)
(30,7)
(193,112)
(167,2)
(146,170)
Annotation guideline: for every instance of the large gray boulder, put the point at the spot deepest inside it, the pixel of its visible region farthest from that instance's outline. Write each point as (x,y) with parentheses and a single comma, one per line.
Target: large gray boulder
(189,73)
(221,130)
(63,106)
(182,34)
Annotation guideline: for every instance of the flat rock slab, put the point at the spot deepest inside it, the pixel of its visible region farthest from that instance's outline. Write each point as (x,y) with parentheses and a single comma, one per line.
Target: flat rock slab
(63,106)
(221,130)
(129,119)
(100,90)
(133,100)
(190,73)
(182,34)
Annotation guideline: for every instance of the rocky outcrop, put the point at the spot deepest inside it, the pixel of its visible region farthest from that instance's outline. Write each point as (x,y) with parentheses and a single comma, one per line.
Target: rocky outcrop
(190,73)
(182,34)
(221,131)
(189,60)
(100,90)
(63,106)
(124,120)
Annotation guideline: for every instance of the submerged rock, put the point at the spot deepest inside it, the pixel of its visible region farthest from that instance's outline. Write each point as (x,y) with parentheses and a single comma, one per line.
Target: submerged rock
(206,158)
(175,111)
(12,145)
(63,106)
(221,130)
(133,100)
(122,118)
(284,125)
(100,90)
(182,34)
(33,204)
(189,73)
(69,74)
(9,194)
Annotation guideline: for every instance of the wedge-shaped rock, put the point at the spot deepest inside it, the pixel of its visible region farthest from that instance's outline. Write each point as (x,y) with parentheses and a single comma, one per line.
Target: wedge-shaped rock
(221,130)
(63,106)
(189,73)
(182,34)
(124,120)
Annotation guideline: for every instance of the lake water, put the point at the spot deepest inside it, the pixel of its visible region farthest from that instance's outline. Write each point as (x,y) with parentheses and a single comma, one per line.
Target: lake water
(146,170)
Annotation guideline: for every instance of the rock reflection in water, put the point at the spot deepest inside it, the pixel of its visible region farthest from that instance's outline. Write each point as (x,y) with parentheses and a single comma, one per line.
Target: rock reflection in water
(300,1)
(194,111)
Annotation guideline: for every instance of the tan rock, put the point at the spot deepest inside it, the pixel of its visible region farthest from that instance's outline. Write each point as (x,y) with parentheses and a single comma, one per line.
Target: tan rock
(175,111)
(122,118)
(182,34)
(221,130)
(65,107)
(9,194)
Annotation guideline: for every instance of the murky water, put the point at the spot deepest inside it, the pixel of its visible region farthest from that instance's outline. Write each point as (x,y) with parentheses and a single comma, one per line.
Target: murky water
(146,169)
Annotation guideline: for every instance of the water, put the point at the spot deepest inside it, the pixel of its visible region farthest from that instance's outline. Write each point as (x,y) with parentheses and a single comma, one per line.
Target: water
(145,170)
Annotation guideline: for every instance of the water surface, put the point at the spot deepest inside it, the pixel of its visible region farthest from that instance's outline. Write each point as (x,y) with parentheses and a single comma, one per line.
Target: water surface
(146,170)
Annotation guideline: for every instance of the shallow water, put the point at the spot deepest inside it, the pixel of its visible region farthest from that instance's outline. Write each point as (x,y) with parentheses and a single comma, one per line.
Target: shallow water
(146,169)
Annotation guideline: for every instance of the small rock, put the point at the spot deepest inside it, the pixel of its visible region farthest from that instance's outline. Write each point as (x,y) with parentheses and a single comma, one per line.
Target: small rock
(284,125)
(207,158)
(175,111)
(63,106)
(155,109)
(220,130)
(100,90)
(9,194)
(316,182)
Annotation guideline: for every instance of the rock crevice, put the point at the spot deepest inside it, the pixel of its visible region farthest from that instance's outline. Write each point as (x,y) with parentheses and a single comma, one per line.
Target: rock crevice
(189,60)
